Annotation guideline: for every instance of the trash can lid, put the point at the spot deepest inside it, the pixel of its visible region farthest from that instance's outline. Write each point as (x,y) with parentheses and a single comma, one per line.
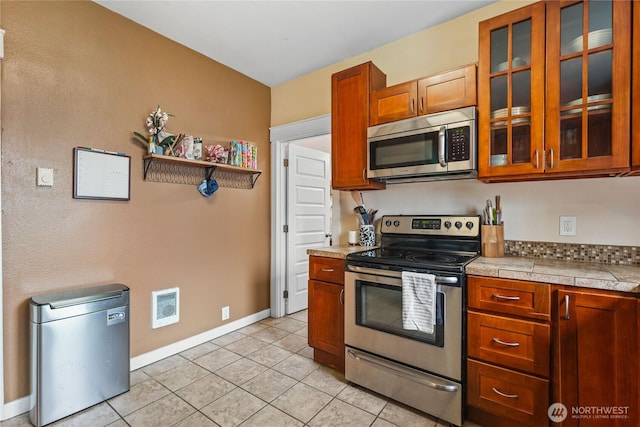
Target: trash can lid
(79,296)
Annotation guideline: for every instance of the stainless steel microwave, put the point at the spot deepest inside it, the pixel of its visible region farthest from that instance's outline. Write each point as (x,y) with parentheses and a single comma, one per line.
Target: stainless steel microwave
(431,147)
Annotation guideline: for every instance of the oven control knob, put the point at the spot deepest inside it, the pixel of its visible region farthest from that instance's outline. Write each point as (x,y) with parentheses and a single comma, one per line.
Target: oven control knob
(447,224)
(469,225)
(396,223)
(458,225)
(388,223)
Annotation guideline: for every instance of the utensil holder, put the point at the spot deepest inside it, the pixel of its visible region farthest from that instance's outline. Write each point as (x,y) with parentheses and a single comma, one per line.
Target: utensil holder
(367,235)
(492,241)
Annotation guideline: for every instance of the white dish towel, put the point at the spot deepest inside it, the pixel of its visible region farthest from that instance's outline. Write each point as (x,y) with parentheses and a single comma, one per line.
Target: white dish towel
(418,301)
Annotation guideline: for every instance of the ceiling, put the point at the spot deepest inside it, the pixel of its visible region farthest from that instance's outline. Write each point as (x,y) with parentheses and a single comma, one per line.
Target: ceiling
(276,41)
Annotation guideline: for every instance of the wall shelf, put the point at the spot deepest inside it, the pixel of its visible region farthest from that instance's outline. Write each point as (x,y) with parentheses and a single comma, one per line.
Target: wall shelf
(175,170)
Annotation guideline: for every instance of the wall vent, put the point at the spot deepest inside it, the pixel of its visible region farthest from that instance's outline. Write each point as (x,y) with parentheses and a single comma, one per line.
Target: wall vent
(165,307)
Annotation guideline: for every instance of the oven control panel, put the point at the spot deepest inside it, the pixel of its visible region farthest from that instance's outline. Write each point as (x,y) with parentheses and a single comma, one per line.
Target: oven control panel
(443,225)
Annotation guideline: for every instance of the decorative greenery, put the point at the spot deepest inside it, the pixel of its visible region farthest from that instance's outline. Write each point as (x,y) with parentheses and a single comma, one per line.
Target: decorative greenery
(156,123)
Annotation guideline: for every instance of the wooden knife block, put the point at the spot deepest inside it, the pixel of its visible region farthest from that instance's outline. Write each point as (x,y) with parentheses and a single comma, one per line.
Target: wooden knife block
(492,239)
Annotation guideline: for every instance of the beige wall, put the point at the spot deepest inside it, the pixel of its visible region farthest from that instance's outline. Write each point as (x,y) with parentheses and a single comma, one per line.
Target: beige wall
(74,74)
(607,210)
(431,51)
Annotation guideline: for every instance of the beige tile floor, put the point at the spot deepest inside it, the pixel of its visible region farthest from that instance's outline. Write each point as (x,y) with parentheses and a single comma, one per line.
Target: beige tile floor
(261,375)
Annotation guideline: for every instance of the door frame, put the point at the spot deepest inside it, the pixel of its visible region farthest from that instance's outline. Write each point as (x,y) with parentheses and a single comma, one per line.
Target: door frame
(280,136)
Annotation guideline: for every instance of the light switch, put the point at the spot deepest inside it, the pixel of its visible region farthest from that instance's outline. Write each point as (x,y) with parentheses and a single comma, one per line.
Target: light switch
(44,177)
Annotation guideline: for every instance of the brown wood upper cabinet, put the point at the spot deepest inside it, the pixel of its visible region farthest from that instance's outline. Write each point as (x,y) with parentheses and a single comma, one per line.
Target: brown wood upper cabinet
(444,91)
(350,91)
(572,121)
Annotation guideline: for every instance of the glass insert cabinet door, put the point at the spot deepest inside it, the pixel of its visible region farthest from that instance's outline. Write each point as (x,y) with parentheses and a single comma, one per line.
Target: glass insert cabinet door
(511,93)
(588,85)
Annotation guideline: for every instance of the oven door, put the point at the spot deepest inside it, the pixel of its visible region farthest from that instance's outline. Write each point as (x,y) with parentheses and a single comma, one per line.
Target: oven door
(373,323)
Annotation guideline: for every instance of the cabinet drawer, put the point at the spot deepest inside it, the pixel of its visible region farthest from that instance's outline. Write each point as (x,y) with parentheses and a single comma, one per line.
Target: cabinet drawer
(522,398)
(514,297)
(517,344)
(326,269)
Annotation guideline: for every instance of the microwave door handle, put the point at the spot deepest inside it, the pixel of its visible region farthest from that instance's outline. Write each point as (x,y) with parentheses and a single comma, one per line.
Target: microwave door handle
(441,143)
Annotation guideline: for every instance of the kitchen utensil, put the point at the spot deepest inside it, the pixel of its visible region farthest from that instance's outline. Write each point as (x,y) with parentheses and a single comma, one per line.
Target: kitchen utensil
(498,159)
(356,196)
(504,112)
(596,39)
(488,213)
(515,63)
(590,99)
(518,121)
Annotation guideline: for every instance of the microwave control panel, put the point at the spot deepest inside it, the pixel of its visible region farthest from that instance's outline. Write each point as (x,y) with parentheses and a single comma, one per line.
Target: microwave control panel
(458,143)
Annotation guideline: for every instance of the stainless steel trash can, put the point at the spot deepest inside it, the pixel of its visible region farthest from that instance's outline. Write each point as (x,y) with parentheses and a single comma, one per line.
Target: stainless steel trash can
(79,350)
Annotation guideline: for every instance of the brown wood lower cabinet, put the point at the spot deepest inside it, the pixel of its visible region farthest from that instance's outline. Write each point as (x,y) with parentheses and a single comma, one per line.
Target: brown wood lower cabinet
(512,398)
(520,344)
(509,356)
(531,345)
(326,311)
(595,357)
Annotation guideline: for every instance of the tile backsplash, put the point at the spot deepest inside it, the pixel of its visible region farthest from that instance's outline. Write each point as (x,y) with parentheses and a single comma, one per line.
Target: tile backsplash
(605,254)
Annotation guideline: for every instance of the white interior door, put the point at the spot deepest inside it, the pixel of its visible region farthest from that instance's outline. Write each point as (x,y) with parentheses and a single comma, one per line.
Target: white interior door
(308,217)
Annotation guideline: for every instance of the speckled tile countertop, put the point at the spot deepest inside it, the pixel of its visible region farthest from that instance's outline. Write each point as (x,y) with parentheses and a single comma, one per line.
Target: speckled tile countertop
(624,278)
(338,251)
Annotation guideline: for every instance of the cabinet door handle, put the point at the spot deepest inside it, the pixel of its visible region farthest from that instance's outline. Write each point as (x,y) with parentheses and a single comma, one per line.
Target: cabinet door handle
(537,159)
(328,270)
(364,174)
(509,396)
(504,297)
(413,102)
(551,162)
(341,296)
(566,307)
(422,104)
(508,344)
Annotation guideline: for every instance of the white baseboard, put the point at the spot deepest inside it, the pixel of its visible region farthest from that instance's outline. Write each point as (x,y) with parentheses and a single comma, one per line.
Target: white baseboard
(16,407)
(180,346)
(21,405)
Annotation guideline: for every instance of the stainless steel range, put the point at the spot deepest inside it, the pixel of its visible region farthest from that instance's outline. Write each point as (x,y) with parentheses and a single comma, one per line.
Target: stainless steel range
(404,312)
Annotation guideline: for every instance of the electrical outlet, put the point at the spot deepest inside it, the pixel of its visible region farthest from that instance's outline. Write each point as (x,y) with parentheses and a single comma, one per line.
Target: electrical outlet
(567,225)
(225,313)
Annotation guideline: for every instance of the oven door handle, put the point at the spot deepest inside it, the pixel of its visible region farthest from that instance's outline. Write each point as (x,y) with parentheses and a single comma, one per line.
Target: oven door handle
(446,280)
(441,280)
(415,376)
